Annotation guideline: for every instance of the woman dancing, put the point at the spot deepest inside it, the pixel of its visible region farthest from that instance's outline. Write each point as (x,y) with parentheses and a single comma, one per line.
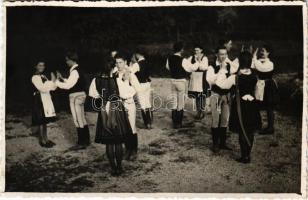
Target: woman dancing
(113,126)
(245,117)
(43,110)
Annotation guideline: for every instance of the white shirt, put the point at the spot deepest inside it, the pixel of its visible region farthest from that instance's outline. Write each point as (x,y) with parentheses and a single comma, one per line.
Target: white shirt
(262,65)
(223,82)
(127,88)
(234,65)
(92,90)
(226,83)
(70,81)
(186,64)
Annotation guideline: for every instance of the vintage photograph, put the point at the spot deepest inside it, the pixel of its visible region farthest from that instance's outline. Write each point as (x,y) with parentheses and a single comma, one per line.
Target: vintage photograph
(171,99)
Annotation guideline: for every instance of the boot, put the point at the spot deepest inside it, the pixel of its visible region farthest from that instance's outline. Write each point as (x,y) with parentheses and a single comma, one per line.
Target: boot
(178,119)
(152,116)
(244,160)
(215,138)
(174,118)
(181,115)
(223,138)
(79,136)
(129,147)
(144,117)
(134,147)
(149,118)
(86,135)
(270,124)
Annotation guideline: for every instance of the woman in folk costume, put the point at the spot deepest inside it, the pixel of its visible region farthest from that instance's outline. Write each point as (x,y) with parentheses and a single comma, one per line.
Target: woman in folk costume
(198,86)
(245,117)
(266,89)
(112,126)
(128,85)
(75,84)
(140,67)
(43,110)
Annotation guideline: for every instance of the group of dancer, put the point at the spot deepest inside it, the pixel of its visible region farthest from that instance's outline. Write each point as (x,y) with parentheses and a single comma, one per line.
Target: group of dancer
(112,95)
(240,87)
(234,90)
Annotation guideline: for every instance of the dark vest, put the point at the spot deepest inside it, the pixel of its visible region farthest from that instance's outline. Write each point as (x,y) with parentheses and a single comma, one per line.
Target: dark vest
(107,89)
(80,85)
(176,69)
(217,89)
(143,74)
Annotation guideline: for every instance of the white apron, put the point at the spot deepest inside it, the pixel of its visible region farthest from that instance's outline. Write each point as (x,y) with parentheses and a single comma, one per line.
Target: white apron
(48,107)
(196,82)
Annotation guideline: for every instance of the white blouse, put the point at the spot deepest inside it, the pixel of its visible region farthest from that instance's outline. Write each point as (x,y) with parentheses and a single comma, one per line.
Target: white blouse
(262,65)
(92,90)
(127,88)
(43,87)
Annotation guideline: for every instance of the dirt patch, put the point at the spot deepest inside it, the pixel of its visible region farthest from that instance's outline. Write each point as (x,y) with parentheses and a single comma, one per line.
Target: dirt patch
(168,160)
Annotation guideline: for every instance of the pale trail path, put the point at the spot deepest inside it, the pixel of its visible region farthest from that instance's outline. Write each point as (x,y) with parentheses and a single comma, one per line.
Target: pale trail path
(169,160)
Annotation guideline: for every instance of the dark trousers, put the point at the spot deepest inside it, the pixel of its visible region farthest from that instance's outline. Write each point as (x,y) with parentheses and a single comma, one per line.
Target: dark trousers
(245,148)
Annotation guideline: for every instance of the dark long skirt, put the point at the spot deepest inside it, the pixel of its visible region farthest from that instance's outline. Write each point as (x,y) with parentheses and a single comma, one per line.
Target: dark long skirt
(250,116)
(113,128)
(271,95)
(38,115)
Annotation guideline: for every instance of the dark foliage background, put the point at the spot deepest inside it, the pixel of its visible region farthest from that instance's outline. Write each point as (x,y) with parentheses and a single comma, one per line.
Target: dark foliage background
(46,33)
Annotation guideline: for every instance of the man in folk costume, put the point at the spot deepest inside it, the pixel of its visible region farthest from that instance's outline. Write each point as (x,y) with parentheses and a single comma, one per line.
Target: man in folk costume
(75,84)
(220,99)
(141,69)
(198,86)
(231,59)
(180,69)
(128,85)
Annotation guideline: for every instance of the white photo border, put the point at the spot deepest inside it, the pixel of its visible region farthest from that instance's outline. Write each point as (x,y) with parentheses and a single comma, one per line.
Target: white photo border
(304,152)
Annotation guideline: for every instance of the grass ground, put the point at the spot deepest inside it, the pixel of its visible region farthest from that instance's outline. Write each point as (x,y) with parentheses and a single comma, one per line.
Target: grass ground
(169,160)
